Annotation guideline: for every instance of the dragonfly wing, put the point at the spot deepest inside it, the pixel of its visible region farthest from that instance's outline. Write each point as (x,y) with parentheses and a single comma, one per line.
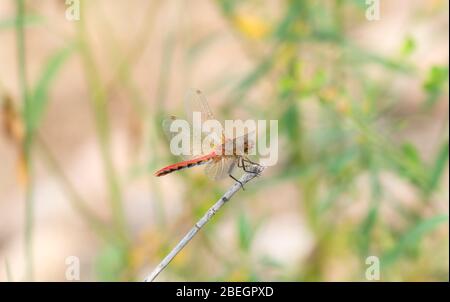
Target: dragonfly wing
(197,105)
(220,168)
(198,142)
(166,123)
(195,101)
(172,131)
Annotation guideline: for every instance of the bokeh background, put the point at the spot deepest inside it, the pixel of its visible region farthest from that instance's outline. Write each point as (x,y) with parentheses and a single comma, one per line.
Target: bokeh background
(363,119)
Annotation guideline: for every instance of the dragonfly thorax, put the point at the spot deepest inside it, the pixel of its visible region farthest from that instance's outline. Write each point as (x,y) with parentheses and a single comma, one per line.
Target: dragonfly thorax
(235,147)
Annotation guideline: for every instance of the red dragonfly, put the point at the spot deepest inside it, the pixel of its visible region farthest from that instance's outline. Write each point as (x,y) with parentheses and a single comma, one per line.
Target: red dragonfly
(225,153)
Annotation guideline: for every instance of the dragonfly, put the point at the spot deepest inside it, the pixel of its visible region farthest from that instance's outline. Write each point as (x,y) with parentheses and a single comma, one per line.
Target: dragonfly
(225,153)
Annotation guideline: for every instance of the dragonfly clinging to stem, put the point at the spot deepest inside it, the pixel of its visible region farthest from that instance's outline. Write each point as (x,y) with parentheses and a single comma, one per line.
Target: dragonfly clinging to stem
(225,153)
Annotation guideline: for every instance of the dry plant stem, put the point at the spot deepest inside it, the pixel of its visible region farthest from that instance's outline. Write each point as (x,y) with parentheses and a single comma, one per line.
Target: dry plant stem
(207,217)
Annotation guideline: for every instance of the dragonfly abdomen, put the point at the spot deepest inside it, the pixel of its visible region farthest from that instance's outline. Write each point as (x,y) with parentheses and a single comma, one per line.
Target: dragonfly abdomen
(183,165)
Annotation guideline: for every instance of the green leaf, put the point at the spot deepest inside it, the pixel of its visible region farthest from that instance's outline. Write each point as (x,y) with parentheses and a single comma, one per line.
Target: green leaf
(290,122)
(435,83)
(410,165)
(39,97)
(365,232)
(341,161)
(245,232)
(438,168)
(228,6)
(411,238)
(437,75)
(408,47)
(296,12)
(411,154)
(111,262)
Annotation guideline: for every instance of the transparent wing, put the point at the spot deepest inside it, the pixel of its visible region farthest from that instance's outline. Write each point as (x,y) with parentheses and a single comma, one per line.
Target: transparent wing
(166,123)
(195,101)
(200,137)
(197,113)
(181,136)
(220,168)
(169,130)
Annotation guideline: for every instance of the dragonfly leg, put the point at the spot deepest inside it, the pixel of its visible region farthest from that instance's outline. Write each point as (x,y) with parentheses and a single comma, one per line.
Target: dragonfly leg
(245,163)
(247,160)
(242,186)
(240,164)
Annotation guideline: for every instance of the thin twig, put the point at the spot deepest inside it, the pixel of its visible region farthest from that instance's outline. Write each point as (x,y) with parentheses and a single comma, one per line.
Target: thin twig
(257,169)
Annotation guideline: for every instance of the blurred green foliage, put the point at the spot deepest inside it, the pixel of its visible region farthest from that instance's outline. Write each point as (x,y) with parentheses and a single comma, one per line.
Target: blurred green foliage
(340,135)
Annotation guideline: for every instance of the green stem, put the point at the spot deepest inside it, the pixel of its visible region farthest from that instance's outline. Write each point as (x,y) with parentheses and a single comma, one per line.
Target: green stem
(20,32)
(9,277)
(99,102)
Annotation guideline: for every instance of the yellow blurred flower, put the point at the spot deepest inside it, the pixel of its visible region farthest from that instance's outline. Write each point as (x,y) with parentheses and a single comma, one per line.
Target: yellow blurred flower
(252,26)
(14,130)
(22,170)
(238,275)
(343,106)
(328,94)
(145,248)
(181,259)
